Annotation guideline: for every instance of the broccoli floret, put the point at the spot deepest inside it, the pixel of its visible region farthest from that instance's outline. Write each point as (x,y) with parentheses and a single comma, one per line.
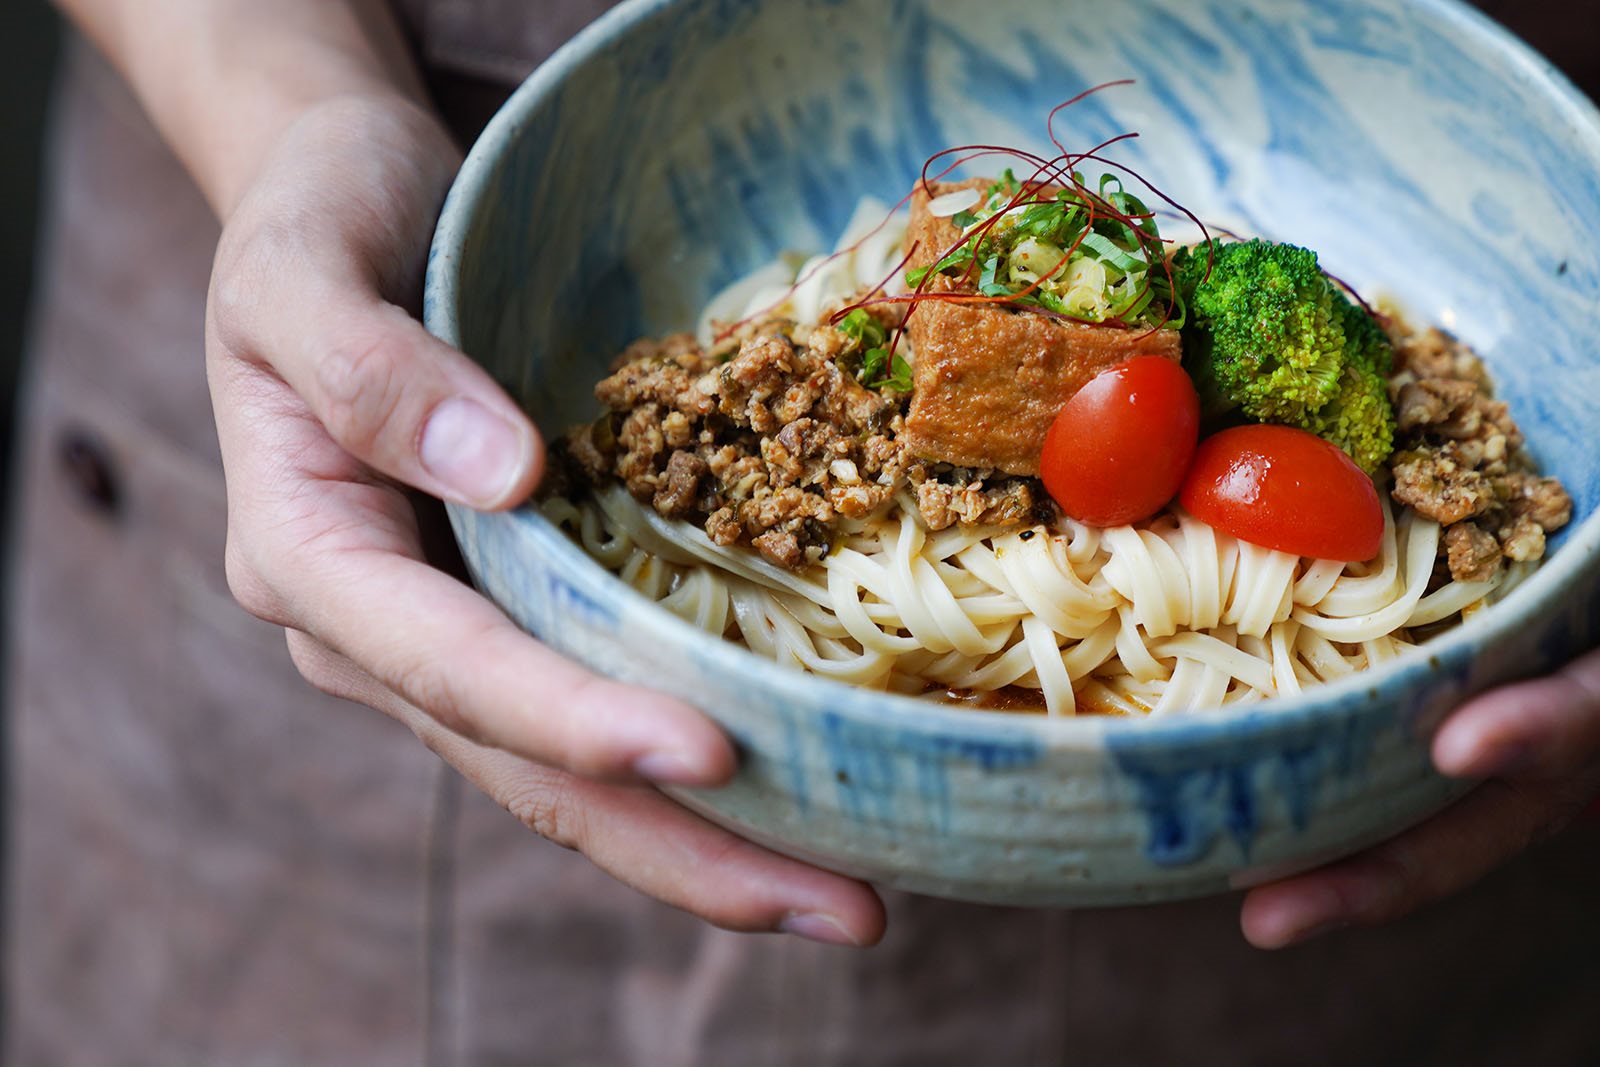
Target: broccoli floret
(1269,337)
(1264,332)
(1368,345)
(1359,418)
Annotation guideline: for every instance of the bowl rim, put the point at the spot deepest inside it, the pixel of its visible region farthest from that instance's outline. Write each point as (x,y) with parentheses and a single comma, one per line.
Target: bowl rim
(747,670)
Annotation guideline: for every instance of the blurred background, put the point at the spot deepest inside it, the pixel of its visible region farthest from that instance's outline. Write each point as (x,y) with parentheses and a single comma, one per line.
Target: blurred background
(30,34)
(28,39)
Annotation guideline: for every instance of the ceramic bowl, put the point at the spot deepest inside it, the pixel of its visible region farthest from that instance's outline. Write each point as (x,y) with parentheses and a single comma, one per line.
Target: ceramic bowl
(677,144)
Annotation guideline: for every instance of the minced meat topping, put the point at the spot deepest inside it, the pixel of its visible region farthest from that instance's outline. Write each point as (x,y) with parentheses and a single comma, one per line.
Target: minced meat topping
(1459,460)
(773,441)
(773,445)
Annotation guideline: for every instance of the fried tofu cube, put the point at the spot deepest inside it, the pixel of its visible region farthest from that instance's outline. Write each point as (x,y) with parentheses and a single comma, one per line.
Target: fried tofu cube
(989,380)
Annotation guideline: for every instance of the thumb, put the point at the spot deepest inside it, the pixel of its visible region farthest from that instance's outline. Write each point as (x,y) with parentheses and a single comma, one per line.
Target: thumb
(405,403)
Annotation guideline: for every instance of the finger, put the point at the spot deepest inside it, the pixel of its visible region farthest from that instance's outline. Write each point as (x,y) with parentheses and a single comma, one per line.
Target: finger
(307,280)
(1441,856)
(653,844)
(386,390)
(334,674)
(316,549)
(1544,729)
(450,652)
(633,833)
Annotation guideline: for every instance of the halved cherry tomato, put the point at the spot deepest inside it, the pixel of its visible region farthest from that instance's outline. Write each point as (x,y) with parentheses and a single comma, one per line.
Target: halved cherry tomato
(1284,488)
(1119,449)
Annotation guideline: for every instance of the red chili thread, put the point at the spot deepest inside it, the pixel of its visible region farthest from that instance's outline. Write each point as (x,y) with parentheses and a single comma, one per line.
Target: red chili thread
(1060,170)
(849,249)
(1050,120)
(1357,297)
(1067,178)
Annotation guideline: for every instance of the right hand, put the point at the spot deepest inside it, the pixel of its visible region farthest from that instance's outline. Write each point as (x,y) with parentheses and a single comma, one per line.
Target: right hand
(328,393)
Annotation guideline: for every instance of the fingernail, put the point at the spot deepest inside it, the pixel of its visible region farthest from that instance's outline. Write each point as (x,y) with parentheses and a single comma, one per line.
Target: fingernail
(471,450)
(667,768)
(821,928)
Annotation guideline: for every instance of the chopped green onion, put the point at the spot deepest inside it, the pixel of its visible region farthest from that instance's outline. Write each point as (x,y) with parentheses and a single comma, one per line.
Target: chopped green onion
(872,364)
(1112,254)
(1007,183)
(988,283)
(1113,269)
(899,377)
(863,328)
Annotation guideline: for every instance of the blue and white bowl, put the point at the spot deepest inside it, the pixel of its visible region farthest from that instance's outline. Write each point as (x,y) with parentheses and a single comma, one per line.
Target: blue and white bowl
(678,144)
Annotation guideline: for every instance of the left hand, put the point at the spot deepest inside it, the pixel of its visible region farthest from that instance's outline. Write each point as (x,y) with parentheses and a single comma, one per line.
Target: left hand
(327,394)
(1538,745)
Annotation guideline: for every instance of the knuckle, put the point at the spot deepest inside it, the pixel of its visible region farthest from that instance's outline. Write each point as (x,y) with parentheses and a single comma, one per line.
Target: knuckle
(439,694)
(249,587)
(721,852)
(243,278)
(358,388)
(433,736)
(315,665)
(549,808)
(582,748)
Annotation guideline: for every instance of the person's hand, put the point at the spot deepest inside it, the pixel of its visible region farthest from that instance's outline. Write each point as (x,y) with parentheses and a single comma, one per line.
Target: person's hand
(330,397)
(1537,743)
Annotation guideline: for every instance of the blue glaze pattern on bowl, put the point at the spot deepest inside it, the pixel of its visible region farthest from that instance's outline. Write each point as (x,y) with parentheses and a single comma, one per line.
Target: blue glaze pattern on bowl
(677,144)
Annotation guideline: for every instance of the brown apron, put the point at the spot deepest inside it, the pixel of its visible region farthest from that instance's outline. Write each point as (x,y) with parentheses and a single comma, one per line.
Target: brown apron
(210,863)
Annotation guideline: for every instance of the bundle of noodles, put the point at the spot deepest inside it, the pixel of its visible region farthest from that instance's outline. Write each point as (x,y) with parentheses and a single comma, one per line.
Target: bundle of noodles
(1167,616)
